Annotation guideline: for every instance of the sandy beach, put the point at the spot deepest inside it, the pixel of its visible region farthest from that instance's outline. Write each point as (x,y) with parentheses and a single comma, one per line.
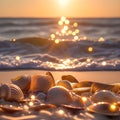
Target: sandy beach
(95,76)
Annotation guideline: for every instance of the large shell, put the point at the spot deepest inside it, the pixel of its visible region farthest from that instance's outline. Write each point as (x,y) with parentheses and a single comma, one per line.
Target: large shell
(11,92)
(104,96)
(23,82)
(59,95)
(101,86)
(104,108)
(65,84)
(70,78)
(41,83)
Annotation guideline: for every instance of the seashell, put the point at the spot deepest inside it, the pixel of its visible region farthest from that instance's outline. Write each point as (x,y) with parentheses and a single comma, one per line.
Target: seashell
(11,92)
(42,106)
(65,84)
(41,96)
(81,90)
(73,109)
(104,108)
(59,95)
(41,83)
(23,82)
(10,108)
(50,74)
(82,84)
(101,86)
(104,96)
(70,78)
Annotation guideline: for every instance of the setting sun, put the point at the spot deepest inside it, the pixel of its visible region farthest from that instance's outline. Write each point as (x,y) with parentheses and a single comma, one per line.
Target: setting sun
(63,2)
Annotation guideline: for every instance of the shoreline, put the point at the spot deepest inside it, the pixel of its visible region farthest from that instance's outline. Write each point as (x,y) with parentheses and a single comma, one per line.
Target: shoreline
(96,76)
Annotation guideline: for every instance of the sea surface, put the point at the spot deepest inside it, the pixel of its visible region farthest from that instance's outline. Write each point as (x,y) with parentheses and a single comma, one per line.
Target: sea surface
(75,44)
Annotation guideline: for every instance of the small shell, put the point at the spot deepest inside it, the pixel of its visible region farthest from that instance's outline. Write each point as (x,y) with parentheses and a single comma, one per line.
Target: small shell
(23,82)
(41,83)
(42,106)
(81,90)
(104,108)
(10,109)
(101,86)
(104,96)
(82,84)
(65,84)
(11,92)
(73,109)
(70,78)
(59,95)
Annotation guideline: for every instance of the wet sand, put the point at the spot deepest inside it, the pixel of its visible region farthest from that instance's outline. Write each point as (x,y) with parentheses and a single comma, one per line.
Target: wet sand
(96,76)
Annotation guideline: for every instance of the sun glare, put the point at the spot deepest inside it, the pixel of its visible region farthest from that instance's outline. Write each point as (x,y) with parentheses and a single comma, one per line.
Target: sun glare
(63,2)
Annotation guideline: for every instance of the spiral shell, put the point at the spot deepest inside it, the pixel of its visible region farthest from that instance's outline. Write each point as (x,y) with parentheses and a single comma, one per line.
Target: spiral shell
(104,108)
(23,82)
(41,83)
(104,96)
(11,92)
(59,95)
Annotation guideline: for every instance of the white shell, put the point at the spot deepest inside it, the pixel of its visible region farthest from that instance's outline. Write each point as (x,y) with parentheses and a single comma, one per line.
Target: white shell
(11,92)
(104,96)
(59,95)
(41,83)
(23,82)
(104,108)
(65,84)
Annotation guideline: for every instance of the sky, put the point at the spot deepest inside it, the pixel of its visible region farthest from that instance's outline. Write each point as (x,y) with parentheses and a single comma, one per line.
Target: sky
(58,8)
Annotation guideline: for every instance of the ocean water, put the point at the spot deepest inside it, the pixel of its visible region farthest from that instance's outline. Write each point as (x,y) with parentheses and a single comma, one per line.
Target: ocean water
(74,44)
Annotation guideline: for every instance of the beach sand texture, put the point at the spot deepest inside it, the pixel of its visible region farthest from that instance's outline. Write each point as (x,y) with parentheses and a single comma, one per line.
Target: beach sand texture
(59,113)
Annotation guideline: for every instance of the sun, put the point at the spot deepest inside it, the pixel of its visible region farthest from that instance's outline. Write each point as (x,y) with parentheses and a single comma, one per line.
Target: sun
(63,2)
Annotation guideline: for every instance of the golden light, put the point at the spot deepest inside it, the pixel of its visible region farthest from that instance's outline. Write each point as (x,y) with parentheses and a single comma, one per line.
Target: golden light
(61,112)
(90,49)
(26,107)
(52,36)
(101,39)
(84,99)
(77,31)
(67,22)
(73,33)
(60,22)
(63,31)
(104,63)
(32,97)
(70,32)
(88,60)
(31,103)
(17,58)
(75,24)
(65,27)
(63,2)
(57,41)
(76,37)
(113,107)
(63,18)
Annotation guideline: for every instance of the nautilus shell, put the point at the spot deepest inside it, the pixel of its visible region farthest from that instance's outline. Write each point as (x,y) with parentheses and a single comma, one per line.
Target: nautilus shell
(11,92)
(59,95)
(104,96)
(70,78)
(104,108)
(65,84)
(23,82)
(41,83)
